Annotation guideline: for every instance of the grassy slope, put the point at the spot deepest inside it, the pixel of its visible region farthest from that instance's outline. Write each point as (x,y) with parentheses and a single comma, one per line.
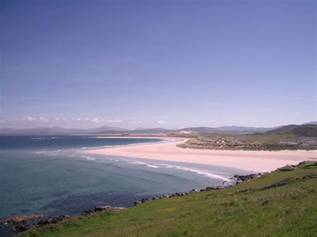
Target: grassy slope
(290,137)
(306,130)
(283,203)
(252,142)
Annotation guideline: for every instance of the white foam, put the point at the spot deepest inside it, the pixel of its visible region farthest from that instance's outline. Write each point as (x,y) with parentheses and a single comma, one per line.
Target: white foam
(205,173)
(139,163)
(200,172)
(89,158)
(115,160)
(153,166)
(40,152)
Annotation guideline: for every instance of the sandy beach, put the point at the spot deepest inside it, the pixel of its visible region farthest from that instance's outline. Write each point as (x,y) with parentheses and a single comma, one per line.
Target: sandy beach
(255,161)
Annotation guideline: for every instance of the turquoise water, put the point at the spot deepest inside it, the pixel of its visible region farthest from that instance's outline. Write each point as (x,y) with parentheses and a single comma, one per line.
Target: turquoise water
(51,175)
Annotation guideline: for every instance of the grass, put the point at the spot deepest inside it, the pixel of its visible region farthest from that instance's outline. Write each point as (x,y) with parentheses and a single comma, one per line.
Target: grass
(282,203)
(266,141)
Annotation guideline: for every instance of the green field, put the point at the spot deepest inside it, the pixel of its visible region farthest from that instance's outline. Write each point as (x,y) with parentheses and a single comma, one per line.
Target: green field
(283,203)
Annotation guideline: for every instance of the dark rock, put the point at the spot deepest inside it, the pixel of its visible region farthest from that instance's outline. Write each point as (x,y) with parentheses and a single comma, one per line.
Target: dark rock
(242,178)
(88,212)
(287,168)
(307,164)
(22,227)
(137,203)
(22,223)
(209,188)
(107,208)
(144,200)
(102,208)
(265,202)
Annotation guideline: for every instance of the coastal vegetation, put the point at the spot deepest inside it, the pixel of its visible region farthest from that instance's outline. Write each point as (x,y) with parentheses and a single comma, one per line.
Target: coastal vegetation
(280,203)
(290,137)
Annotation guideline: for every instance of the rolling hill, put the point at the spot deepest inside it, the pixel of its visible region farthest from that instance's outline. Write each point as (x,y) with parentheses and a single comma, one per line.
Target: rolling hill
(306,130)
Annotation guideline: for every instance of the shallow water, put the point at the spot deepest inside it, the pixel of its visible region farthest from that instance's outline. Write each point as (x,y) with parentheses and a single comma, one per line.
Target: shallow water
(50,175)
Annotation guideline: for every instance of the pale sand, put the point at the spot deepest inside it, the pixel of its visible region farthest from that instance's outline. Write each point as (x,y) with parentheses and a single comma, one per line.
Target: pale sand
(256,161)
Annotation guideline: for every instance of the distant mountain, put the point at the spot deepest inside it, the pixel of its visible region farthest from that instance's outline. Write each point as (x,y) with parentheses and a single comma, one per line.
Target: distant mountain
(306,130)
(105,129)
(199,129)
(150,130)
(226,129)
(312,122)
(242,129)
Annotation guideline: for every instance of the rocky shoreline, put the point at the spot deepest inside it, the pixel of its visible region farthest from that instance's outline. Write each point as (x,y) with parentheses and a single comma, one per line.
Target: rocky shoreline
(236,178)
(13,225)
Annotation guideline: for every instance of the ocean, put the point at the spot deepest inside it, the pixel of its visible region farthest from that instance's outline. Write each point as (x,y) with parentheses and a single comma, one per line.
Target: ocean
(51,175)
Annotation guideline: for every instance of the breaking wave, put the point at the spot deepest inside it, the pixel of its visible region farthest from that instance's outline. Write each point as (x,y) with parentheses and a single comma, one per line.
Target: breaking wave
(205,173)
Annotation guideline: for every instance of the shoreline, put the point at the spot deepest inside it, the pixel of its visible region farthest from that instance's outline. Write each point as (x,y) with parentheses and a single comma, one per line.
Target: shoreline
(13,225)
(167,150)
(16,224)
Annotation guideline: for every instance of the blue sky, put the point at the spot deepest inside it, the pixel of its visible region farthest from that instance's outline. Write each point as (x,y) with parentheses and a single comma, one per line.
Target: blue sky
(157,63)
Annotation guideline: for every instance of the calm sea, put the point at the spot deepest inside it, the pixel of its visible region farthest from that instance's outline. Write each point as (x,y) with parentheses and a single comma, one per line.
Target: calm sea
(51,175)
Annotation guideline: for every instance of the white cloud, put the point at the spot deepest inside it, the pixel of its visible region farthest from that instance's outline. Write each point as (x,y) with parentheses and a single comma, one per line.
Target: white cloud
(96,120)
(59,119)
(50,121)
(114,121)
(160,122)
(43,119)
(29,118)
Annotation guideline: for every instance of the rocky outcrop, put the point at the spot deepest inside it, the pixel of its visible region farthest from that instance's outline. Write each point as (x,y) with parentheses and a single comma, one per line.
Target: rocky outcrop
(177,194)
(287,168)
(15,224)
(108,208)
(243,178)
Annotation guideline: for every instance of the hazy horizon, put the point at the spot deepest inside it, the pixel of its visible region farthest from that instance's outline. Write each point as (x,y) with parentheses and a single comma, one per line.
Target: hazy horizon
(171,64)
(37,123)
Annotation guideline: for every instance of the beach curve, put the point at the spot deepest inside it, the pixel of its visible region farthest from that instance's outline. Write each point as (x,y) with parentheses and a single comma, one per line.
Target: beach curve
(167,150)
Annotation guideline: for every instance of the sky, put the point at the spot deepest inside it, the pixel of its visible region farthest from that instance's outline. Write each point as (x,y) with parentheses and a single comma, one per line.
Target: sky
(157,63)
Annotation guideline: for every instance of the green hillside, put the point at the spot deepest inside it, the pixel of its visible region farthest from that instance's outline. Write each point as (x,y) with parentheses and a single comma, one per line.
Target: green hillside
(282,203)
(307,130)
(290,137)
